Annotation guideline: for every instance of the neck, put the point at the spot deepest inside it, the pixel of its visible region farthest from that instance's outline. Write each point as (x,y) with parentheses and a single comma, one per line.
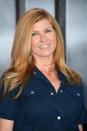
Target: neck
(44,64)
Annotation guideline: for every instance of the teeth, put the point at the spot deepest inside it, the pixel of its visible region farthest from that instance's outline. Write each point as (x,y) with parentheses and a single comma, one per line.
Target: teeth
(44,46)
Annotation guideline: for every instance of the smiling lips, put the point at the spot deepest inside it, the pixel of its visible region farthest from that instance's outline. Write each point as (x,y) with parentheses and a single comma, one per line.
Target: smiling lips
(44,46)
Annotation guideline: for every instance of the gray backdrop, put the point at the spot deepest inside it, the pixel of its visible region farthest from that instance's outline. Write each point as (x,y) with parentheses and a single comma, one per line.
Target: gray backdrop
(76,38)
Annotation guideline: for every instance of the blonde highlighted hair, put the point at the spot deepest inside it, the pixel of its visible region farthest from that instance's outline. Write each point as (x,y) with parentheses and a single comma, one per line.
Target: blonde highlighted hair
(22,62)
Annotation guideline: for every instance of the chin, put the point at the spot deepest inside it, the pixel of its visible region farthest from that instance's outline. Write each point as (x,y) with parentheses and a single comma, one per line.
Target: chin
(45,55)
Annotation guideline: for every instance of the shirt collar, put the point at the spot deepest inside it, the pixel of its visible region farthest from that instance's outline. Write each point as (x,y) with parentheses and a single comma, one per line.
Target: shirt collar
(40,75)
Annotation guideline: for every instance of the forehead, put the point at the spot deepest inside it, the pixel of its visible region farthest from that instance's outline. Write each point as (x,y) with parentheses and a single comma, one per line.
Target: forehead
(44,23)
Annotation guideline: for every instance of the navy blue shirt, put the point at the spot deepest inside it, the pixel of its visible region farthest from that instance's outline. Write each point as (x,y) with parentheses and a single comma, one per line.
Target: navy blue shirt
(40,108)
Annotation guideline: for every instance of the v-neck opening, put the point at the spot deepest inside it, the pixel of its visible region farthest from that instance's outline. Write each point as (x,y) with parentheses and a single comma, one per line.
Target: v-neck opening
(45,78)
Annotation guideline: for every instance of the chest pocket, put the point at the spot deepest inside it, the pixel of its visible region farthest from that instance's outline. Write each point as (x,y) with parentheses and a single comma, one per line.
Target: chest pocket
(73,103)
(35,103)
(74,91)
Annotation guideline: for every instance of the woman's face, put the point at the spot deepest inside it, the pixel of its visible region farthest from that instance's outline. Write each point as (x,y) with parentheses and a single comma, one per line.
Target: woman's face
(43,39)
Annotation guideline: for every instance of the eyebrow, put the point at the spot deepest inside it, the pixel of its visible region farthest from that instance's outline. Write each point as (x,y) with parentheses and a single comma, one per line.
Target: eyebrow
(44,29)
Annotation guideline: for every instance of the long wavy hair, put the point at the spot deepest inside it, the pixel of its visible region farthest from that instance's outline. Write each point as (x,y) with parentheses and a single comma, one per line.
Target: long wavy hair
(22,61)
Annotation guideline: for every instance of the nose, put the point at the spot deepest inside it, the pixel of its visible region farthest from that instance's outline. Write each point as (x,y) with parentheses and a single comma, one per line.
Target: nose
(43,37)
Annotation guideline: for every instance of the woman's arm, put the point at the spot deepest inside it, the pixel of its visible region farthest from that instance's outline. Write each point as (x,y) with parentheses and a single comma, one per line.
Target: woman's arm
(6,125)
(80,128)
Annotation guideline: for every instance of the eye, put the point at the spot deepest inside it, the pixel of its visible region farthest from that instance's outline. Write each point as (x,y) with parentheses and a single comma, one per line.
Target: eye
(48,30)
(34,34)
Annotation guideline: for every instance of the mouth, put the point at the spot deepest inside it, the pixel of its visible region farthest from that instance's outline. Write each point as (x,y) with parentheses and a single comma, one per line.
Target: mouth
(44,46)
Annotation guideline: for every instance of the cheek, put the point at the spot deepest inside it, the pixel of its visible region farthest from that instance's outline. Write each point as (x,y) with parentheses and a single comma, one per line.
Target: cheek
(34,45)
(52,37)
(35,41)
(54,41)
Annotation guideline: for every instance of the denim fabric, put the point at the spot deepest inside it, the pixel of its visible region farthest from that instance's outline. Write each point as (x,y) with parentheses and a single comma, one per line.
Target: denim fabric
(40,108)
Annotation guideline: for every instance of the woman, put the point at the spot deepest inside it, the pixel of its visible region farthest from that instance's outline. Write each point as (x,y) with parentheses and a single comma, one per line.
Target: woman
(39,92)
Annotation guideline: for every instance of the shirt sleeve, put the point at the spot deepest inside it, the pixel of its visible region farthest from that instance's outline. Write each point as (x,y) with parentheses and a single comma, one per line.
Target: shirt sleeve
(83,118)
(8,107)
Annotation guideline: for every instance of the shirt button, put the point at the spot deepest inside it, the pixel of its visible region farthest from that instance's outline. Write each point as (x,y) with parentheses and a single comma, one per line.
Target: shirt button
(61,91)
(59,117)
(32,92)
(78,94)
(51,94)
(34,73)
